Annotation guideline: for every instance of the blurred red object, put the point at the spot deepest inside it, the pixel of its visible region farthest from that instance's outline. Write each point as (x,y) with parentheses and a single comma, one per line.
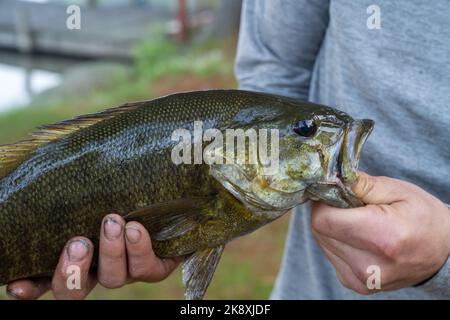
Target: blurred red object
(182,21)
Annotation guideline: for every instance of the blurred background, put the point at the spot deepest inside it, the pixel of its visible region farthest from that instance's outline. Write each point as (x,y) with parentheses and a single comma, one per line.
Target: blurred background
(128,50)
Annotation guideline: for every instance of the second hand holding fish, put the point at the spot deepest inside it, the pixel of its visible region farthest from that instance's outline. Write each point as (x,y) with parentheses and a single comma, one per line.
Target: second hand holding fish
(403,230)
(125,256)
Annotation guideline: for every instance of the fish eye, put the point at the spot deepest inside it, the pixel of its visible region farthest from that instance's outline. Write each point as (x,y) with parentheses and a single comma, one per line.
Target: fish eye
(305,128)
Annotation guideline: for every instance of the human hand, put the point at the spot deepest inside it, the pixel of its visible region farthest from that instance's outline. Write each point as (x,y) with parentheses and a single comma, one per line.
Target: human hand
(125,255)
(403,230)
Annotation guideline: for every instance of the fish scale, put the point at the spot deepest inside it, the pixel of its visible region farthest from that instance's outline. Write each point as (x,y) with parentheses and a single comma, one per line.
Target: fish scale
(69,200)
(63,180)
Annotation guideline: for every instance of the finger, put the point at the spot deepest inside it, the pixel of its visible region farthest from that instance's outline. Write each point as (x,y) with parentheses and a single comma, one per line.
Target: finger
(380,190)
(358,260)
(112,268)
(72,279)
(345,275)
(344,272)
(366,228)
(359,227)
(26,289)
(143,264)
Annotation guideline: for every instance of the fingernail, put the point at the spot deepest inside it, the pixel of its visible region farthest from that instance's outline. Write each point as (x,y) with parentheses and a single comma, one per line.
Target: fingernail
(133,234)
(77,250)
(113,229)
(14,293)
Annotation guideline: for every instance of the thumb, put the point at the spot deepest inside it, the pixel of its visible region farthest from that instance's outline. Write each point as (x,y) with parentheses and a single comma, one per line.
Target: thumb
(27,289)
(379,190)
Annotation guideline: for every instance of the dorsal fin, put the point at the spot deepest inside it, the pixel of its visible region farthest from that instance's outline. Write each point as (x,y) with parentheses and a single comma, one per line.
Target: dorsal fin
(12,155)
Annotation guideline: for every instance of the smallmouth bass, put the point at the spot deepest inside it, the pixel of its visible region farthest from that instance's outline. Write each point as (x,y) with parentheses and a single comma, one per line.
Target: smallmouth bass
(63,180)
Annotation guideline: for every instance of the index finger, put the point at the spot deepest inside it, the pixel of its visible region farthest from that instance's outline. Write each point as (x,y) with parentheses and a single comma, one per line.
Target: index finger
(358,227)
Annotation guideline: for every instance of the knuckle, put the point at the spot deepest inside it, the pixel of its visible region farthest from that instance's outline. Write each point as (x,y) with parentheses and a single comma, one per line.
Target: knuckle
(393,245)
(112,251)
(111,282)
(319,223)
(114,254)
(390,249)
(374,211)
(138,272)
(315,223)
(360,273)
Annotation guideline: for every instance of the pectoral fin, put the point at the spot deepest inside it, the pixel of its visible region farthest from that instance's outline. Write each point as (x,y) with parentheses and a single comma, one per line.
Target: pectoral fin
(198,269)
(171,219)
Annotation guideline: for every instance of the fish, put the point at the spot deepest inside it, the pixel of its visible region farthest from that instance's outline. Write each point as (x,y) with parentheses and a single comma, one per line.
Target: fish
(62,180)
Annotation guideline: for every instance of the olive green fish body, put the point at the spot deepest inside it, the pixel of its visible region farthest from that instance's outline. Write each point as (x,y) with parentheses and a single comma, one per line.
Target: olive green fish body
(120,161)
(118,165)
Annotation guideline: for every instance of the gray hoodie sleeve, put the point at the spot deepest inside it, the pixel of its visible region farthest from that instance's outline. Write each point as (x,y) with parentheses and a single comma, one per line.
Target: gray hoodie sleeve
(439,284)
(278,44)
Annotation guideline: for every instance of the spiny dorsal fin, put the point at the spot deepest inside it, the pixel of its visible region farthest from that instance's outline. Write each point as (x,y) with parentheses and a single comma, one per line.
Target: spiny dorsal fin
(12,155)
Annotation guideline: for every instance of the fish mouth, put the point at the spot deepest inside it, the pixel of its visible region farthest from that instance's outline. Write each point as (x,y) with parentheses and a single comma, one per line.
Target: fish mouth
(337,191)
(354,139)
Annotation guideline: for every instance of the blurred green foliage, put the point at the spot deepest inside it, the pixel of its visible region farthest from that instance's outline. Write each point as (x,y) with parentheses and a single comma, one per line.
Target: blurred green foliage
(161,57)
(153,60)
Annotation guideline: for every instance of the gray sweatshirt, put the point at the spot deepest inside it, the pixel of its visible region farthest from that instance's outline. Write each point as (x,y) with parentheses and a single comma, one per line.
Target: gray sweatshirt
(390,63)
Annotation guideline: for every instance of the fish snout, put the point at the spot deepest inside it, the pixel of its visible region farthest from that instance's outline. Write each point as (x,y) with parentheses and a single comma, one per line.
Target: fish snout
(355,137)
